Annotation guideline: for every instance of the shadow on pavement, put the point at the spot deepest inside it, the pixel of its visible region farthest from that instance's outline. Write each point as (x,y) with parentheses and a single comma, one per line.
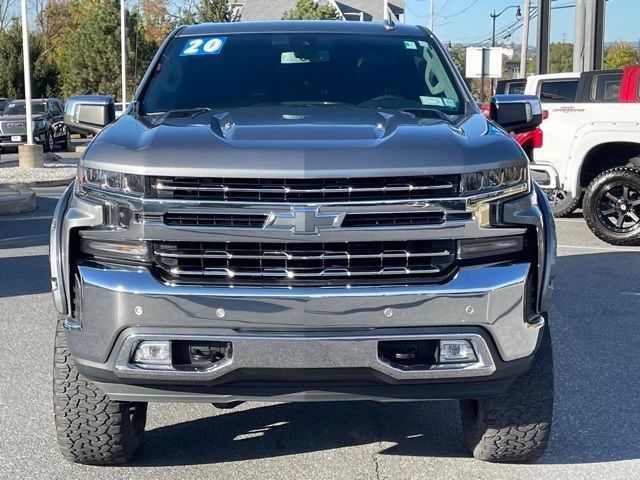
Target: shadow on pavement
(24,275)
(596,338)
(418,429)
(30,229)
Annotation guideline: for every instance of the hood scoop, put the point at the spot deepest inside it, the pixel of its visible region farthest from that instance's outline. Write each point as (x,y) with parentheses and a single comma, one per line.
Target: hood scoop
(302,124)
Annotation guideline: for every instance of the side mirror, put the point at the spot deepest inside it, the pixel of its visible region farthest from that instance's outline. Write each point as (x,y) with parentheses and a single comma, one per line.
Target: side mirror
(88,114)
(516,113)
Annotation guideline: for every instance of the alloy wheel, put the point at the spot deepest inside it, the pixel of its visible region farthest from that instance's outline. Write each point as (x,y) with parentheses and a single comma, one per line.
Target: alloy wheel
(619,207)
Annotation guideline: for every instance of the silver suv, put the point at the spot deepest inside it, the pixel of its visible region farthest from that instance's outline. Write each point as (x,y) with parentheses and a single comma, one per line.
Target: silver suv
(304,211)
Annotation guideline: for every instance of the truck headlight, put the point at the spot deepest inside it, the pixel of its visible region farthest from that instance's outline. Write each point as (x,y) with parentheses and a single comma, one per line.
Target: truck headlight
(39,125)
(484,187)
(513,179)
(107,180)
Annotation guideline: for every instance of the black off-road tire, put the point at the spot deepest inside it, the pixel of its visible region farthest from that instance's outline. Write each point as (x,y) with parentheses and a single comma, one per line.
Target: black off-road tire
(91,428)
(515,426)
(561,204)
(67,142)
(49,143)
(592,206)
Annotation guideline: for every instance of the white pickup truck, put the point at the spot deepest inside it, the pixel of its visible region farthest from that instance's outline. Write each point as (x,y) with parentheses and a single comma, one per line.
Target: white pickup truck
(591,146)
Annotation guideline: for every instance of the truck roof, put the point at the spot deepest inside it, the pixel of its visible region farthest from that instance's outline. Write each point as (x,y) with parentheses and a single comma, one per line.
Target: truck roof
(547,76)
(300,26)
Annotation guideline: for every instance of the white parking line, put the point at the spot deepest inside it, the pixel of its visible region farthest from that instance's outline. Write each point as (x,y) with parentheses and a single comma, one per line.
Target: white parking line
(607,249)
(570,220)
(26,217)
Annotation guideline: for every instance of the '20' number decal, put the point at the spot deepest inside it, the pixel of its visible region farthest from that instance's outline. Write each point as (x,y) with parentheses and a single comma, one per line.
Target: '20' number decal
(203,46)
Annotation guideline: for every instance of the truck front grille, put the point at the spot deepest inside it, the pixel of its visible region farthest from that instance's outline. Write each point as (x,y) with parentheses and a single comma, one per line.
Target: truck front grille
(268,190)
(305,264)
(13,127)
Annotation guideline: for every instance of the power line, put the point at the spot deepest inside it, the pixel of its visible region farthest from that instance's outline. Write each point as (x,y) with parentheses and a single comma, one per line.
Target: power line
(464,10)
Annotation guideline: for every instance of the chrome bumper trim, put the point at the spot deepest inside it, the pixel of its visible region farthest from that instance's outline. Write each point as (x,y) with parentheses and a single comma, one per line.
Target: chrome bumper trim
(114,299)
(304,352)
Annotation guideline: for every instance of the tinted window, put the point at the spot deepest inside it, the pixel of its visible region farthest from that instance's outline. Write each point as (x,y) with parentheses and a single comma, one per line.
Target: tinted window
(515,88)
(21,109)
(55,108)
(558,90)
(606,87)
(301,69)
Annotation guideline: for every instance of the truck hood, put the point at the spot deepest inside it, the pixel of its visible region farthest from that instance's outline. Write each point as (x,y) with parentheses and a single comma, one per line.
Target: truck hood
(299,142)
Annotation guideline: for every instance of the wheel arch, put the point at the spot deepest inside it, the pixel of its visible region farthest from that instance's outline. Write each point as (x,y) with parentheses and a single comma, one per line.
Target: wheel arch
(605,156)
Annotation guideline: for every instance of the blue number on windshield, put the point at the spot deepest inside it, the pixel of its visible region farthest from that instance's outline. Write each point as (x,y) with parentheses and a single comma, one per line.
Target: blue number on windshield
(203,46)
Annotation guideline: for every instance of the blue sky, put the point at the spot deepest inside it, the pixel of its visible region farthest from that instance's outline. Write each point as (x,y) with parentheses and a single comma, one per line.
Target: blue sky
(467,21)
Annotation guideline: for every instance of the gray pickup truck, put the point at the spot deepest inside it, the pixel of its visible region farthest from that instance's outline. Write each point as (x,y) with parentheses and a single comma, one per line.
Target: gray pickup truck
(304,211)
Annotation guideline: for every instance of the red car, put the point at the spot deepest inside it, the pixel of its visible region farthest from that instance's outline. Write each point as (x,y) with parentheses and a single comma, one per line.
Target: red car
(630,86)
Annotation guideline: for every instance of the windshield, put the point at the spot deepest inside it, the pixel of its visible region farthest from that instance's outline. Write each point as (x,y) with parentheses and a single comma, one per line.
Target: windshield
(21,109)
(248,70)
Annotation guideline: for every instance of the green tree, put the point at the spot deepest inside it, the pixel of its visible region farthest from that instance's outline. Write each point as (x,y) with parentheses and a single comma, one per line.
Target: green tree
(90,55)
(43,71)
(620,54)
(458,55)
(213,11)
(310,10)
(560,57)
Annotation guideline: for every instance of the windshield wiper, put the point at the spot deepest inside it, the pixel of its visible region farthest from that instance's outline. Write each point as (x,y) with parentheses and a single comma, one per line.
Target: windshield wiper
(426,112)
(181,112)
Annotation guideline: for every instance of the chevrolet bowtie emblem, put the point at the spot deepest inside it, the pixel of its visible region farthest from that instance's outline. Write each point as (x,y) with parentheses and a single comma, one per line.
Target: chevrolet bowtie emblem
(304,220)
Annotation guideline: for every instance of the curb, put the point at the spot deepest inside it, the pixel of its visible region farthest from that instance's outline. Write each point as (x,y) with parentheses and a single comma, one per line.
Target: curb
(16,199)
(49,183)
(44,183)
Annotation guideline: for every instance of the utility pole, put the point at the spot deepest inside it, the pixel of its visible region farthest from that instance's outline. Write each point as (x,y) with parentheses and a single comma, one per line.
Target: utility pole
(385,5)
(431,14)
(524,47)
(123,52)
(29,155)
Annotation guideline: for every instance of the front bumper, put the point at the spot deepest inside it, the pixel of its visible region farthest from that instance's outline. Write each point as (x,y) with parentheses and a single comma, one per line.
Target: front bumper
(301,331)
(11,140)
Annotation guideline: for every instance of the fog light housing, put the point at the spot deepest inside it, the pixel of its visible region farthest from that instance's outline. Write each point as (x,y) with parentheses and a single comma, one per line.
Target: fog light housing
(456,351)
(132,251)
(153,353)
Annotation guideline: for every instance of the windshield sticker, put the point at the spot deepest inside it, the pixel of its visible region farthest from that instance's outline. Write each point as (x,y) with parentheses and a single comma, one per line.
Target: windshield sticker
(432,101)
(410,45)
(449,102)
(203,46)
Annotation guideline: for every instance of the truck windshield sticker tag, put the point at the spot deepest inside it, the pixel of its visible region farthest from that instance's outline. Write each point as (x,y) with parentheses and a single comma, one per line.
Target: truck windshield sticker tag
(449,102)
(410,45)
(203,46)
(433,101)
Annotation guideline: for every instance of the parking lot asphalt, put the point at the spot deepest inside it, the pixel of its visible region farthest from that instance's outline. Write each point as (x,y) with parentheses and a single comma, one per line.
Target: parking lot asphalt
(596,427)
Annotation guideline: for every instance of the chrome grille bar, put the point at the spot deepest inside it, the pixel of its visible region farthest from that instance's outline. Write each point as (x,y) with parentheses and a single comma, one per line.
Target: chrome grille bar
(284,273)
(227,189)
(289,256)
(263,190)
(298,263)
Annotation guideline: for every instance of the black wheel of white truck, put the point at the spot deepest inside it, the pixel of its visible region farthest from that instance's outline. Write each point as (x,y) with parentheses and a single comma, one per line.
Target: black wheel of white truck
(612,206)
(562,203)
(515,426)
(91,428)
